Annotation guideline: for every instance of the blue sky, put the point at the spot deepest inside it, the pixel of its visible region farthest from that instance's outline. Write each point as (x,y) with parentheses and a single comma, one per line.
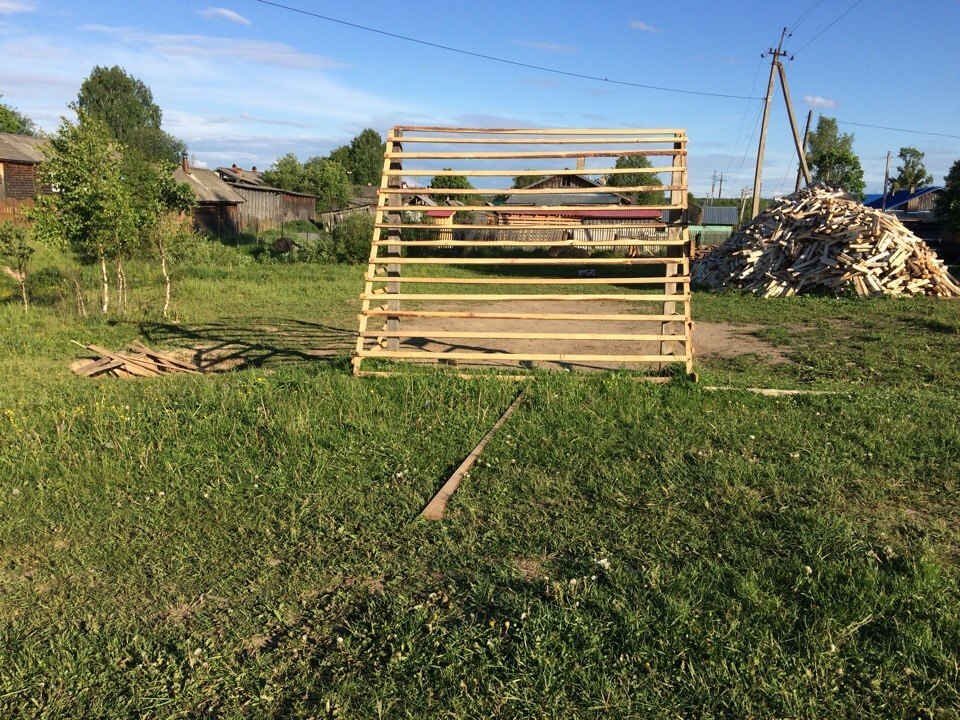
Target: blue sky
(244,82)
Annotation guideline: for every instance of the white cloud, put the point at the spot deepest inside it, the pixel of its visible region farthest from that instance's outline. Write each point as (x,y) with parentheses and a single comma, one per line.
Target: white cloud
(9,7)
(815,101)
(205,46)
(546,46)
(640,25)
(219,13)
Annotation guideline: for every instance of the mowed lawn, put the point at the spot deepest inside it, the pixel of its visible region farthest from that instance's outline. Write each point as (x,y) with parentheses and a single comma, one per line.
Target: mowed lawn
(245,544)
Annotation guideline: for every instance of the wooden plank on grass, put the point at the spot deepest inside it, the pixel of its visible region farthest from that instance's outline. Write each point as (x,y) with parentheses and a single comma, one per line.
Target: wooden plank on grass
(437,506)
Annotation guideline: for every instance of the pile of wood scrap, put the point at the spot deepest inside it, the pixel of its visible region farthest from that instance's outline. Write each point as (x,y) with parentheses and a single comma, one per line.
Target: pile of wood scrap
(818,240)
(137,360)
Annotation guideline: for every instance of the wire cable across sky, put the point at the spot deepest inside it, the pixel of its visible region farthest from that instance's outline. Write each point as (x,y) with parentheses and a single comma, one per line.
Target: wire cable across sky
(505,61)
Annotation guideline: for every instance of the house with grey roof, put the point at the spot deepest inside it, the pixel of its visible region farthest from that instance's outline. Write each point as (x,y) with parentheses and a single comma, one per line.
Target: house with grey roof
(19,157)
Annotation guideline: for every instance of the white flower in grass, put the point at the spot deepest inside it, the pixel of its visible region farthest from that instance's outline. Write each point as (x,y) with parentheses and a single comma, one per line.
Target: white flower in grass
(604,563)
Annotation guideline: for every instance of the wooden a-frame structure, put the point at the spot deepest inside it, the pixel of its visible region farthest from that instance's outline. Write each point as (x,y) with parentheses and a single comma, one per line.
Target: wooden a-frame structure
(421,302)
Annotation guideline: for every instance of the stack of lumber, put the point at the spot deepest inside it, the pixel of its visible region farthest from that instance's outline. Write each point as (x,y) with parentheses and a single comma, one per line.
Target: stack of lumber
(137,360)
(818,240)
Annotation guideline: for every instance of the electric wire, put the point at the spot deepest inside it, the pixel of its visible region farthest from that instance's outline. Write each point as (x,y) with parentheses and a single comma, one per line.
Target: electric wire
(493,58)
(796,23)
(836,20)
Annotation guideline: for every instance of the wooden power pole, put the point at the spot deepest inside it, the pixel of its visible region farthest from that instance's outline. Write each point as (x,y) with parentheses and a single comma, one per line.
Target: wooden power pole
(758,170)
(886,180)
(806,139)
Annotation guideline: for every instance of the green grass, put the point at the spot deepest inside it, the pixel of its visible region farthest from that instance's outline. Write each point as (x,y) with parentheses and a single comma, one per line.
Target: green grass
(244,545)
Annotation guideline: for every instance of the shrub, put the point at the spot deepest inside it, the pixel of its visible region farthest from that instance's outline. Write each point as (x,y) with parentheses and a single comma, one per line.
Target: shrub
(351,239)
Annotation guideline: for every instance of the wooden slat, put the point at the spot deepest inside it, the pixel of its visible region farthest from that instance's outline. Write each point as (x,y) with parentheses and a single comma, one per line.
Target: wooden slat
(528,209)
(631,297)
(678,279)
(588,140)
(585,262)
(520,155)
(501,377)
(532,243)
(543,131)
(524,226)
(598,190)
(467,315)
(469,172)
(541,357)
(426,334)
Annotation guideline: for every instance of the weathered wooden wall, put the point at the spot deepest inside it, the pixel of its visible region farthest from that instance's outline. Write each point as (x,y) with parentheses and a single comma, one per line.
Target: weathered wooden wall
(18,181)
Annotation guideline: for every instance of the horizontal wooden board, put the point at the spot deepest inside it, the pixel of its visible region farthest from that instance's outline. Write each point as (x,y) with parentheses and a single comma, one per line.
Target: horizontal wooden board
(524,155)
(598,190)
(534,140)
(541,357)
(534,131)
(470,172)
(487,315)
(528,209)
(464,297)
(494,261)
(679,279)
(524,225)
(529,243)
(426,334)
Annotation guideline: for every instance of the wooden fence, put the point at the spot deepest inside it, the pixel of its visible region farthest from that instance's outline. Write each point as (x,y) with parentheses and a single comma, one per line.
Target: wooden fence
(15,211)
(528,297)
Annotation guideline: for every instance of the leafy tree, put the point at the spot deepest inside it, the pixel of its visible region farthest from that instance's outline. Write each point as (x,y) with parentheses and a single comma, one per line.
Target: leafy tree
(362,158)
(647,197)
(327,179)
(14,121)
(92,211)
(832,160)
(912,173)
(16,252)
(522,181)
(157,196)
(948,205)
(125,105)
(452,182)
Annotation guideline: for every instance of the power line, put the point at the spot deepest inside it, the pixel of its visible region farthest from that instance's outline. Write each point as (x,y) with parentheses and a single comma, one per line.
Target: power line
(796,23)
(505,61)
(894,129)
(838,19)
(743,119)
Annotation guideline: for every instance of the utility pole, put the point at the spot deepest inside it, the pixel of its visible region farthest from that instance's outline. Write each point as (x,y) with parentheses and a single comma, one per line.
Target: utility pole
(720,189)
(713,184)
(743,203)
(886,179)
(758,170)
(801,155)
(806,139)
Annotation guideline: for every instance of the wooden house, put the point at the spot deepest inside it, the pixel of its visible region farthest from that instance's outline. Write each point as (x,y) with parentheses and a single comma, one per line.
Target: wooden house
(218,205)
(20,155)
(264,206)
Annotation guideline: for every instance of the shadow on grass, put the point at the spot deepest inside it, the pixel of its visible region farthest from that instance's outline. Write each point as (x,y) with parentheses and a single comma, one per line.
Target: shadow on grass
(269,342)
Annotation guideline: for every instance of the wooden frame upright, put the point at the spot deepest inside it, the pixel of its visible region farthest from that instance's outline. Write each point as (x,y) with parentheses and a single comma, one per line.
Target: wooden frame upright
(403,242)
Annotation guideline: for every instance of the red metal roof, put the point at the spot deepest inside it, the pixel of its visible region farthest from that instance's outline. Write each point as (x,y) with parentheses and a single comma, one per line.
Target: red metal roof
(587,213)
(440,213)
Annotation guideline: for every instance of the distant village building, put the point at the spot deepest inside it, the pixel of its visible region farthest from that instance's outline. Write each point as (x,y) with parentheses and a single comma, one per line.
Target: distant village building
(217,209)
(914,207)
(711,224)
(265,207)
(19,157)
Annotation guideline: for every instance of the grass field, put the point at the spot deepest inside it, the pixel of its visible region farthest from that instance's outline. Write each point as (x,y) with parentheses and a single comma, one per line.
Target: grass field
(244,544)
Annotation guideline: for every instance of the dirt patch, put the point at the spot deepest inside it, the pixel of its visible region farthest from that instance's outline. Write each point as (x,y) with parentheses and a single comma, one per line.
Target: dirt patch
(709,339)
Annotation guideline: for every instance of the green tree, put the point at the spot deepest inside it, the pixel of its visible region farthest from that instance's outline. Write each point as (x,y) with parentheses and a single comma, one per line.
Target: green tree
(15,251)
(948,205)
(522,181)
(92,211)
(125,105)
(362,158)
(912,173)
(647,197)
(14,121)
(832,160)
(452,182)
(318,176)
